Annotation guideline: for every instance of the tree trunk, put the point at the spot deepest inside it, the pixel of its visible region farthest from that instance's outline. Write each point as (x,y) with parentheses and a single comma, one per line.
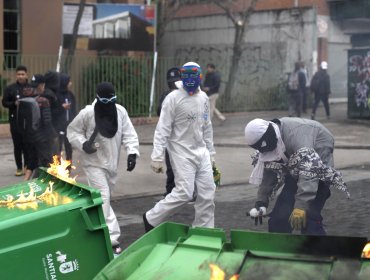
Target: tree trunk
(237,54)
(72,45)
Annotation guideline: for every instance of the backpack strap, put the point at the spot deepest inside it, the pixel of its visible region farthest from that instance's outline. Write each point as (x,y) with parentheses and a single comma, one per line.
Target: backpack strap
(93,135)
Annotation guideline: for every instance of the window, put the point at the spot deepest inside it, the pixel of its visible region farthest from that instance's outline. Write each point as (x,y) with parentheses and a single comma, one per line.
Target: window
(11,32)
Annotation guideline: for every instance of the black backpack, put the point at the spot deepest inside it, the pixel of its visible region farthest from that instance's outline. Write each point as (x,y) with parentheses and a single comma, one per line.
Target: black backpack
(293,81)
(28,115)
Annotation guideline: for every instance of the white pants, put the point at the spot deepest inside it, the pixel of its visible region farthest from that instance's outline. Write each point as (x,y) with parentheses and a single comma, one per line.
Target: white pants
(102,180)
(187,174)
(212,102)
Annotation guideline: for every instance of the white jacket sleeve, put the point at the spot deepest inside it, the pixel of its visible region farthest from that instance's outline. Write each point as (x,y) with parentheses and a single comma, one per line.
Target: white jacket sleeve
(208,135)
(76,131)
(163,129)
(129,138)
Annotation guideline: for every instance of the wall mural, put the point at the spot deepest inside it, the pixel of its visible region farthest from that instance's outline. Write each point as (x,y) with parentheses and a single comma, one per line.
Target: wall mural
(359,83)
(256,72)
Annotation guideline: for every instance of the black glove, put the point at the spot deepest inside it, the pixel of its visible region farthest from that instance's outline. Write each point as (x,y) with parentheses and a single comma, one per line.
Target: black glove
(131,162)
(88,147)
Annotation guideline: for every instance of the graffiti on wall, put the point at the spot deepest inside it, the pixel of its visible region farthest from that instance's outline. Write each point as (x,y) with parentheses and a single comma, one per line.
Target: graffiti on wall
(359,78)
(256,70)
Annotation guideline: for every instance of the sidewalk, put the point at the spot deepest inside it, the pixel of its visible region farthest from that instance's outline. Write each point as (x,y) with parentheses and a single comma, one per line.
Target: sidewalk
(233,155)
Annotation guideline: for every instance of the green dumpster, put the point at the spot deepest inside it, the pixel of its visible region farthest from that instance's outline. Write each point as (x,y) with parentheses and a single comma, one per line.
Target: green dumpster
(52,229)
(175,251)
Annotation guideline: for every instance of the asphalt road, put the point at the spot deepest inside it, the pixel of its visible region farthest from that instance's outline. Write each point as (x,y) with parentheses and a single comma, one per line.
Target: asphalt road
(342,216)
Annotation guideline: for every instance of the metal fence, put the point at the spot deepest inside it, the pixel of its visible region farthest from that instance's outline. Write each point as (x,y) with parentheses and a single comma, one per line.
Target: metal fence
(132,78)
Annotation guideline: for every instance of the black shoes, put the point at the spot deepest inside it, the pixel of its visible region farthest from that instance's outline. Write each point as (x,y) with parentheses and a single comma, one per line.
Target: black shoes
(148,227)
(117,250)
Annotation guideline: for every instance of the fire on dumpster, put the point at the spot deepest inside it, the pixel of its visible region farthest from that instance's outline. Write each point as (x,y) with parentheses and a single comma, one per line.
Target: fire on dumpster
(171,251)
(59,169)
(218,274)
(366,251)
(51,225)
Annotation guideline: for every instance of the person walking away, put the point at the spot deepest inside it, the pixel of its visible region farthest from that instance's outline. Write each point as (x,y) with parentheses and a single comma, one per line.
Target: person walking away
(211,86)
(67,101)
(295,155)
(173,76)
(306,88)
(320,86)
(52,87)
(296,87)
(12,94)
(39,140)
(98,131)
(185,129)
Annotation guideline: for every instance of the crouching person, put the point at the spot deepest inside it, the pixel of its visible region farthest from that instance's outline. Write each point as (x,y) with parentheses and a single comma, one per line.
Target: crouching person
(297,155)
(98,131)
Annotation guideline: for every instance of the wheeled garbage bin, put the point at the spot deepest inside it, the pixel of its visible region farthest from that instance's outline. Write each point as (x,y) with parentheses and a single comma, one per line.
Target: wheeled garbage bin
(52,229)
(175,251)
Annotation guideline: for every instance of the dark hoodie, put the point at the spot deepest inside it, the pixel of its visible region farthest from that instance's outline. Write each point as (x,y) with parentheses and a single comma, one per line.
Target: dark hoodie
(64,96)
(52,85)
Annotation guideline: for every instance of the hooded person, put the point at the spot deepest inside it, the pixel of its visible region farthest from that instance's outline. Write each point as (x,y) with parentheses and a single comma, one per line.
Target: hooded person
(320,86)
(185,130)
(297,155)
(52,82)
(39,140)
(67,103)
(98,132)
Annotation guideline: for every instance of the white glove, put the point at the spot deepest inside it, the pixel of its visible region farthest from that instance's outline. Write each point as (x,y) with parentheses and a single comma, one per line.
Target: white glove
(213,161)
(254,213)
(157,166)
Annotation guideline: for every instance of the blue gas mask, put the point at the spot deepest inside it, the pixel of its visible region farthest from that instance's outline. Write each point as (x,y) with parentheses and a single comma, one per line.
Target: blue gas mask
(191,76)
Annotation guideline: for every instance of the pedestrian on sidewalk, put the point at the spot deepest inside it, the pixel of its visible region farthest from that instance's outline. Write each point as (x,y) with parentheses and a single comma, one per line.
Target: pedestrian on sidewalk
(173,76)
(320,86)
(296,88)
(306,89)
(211,86)
(98,132)
(40,140)
(296,155)
(185,129)
(12,94)
(67,102)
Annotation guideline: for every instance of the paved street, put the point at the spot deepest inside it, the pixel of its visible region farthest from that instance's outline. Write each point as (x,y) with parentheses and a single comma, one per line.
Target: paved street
(138,191)
(342,217)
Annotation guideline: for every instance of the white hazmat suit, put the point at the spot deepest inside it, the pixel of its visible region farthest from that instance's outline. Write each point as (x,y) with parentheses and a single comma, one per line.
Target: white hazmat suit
(101,167)
(185,129)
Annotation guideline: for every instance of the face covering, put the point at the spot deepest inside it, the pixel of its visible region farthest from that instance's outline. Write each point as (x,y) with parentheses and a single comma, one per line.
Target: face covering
(191,76)
(105,110)
(265,137)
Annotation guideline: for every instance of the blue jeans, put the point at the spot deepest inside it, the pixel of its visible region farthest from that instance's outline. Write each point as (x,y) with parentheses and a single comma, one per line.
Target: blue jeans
(279,216)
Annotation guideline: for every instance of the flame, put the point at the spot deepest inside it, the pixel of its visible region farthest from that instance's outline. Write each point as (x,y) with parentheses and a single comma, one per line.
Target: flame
(366,251)
(218,274)
(60,168)
(24,202)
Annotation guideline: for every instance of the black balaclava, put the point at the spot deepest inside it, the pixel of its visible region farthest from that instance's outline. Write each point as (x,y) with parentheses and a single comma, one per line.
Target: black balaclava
(64,81)
(173,75)
(52,80)
(267,142)
(106,114)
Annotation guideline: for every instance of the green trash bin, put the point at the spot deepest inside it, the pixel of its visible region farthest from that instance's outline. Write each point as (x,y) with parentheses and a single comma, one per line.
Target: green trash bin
(174,251)
(58,234)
